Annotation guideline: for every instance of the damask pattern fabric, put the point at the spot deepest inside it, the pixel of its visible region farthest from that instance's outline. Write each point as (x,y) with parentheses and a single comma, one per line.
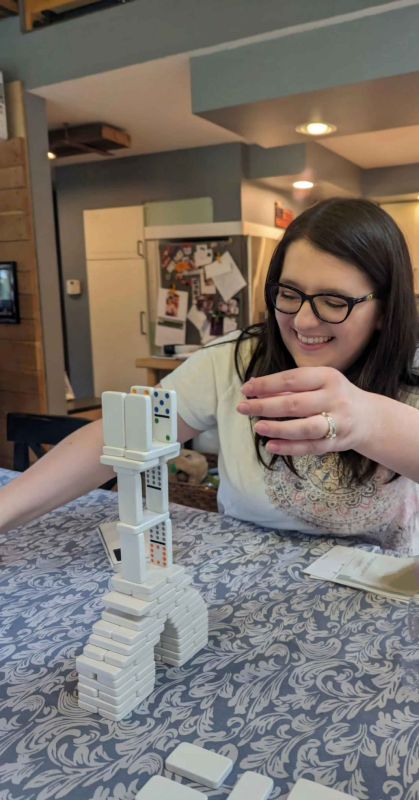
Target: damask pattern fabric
(300,678)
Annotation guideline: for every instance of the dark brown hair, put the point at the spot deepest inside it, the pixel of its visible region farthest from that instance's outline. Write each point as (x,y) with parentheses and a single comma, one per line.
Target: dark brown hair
(363,234)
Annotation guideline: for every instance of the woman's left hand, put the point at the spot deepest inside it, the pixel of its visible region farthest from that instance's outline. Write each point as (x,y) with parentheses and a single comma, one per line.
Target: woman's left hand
(309,395)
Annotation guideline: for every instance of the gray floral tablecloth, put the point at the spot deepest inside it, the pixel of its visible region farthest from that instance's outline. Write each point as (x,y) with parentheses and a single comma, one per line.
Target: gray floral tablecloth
(300,678)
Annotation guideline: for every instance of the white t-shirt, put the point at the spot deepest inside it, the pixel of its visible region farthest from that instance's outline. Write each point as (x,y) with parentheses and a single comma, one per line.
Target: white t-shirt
(317,501)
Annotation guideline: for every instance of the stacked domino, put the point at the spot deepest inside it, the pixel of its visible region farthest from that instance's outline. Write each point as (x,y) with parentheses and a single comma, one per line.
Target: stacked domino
(151,611)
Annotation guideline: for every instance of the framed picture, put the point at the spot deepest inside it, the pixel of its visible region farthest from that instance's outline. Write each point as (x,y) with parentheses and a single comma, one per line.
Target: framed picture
(9,300)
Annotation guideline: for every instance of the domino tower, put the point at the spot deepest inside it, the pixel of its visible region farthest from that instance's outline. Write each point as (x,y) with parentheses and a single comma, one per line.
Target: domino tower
(152,612)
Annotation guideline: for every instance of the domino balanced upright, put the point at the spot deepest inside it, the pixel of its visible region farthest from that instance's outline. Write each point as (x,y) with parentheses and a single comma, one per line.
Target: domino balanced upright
(152,612)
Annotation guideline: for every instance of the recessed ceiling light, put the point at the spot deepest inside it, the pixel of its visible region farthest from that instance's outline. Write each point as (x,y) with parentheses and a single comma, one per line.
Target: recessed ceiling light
(303,184)
(51,155)
(316,128)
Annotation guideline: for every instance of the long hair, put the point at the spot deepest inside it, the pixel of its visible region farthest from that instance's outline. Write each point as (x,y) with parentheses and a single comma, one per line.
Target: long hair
(363,234)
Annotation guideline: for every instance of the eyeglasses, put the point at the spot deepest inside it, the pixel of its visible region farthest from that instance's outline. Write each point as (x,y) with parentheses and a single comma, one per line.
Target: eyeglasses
(327,307)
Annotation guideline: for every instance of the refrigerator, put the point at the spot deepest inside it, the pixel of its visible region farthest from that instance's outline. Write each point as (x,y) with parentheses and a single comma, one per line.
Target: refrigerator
(203,287)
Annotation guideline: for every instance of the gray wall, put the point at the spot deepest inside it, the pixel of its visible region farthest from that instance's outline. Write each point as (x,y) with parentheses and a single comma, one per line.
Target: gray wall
(201,172)
(141,30)
(43,214)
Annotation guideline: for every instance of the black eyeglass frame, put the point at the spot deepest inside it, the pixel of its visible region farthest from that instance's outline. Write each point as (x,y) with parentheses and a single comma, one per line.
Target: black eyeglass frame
(351,301)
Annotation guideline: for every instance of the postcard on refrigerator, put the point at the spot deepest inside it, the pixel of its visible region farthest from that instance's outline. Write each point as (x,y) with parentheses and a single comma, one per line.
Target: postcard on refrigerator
(229,283)
(172,305)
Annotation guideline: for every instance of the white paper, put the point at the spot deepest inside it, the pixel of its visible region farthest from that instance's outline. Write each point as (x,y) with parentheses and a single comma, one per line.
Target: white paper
(172,304)
(203,255)
(389,576)
(164,334)
(198,318)
(229,325)
(231,282)
(221,265)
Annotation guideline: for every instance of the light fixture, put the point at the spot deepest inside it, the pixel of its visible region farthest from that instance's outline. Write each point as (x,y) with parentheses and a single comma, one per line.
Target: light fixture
(316,128)
(303,184)
(51,155)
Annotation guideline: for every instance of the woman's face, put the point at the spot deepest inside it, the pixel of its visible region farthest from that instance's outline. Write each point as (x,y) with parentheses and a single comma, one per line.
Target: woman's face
(336,345)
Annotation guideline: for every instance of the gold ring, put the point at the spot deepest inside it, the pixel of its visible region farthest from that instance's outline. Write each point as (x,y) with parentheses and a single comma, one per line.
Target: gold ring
(331,431)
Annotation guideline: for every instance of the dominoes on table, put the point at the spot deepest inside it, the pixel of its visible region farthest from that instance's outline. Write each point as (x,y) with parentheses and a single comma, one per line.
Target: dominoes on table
(151,612)
(304,789)
(252,786)
(200,765)
(159,788)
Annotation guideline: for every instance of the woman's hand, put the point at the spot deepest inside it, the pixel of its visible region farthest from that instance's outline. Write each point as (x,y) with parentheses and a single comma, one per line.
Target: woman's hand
(304,394)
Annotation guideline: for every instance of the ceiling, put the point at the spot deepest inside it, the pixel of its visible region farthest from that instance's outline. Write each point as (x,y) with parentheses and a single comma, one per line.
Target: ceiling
(152,101)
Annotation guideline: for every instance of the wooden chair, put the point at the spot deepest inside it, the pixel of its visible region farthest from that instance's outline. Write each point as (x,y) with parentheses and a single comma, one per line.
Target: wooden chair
(33,431)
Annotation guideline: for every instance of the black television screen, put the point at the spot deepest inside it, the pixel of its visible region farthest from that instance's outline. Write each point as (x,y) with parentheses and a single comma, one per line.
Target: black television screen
(9,302)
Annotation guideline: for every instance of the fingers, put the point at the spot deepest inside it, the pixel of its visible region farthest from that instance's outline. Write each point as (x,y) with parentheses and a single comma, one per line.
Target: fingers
(312,428)
(301,404)
(301,379)
(315,447)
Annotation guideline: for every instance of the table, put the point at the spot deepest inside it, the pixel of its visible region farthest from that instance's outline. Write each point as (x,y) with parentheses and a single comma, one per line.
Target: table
(300,678)
(156,366)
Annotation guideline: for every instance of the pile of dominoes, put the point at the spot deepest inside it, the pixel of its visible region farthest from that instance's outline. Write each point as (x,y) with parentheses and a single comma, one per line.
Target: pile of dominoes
(152,612)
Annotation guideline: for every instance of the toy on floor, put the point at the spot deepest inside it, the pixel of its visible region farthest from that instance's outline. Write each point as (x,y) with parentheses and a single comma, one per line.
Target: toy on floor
(151,612)
(189,467)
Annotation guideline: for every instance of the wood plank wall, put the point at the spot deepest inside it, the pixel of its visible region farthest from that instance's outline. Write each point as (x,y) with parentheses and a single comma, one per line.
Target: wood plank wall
(22,367)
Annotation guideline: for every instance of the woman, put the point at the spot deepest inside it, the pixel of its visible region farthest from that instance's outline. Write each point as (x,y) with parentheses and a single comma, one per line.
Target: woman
(340,302)
(318,449)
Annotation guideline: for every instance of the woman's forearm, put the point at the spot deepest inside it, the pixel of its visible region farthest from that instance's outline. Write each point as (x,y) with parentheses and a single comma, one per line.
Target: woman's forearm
(69,470)
(391,435)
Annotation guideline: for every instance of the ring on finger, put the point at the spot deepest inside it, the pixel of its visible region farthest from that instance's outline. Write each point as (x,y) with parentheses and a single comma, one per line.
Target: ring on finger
(331,430)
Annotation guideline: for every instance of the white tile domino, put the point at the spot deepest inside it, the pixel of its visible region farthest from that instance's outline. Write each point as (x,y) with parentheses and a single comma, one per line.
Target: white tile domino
(133,557)
(150,518)
(180,648)
(198,764)
(130,605)
(151,588)
(315,791)
(113,422)
(163,411)
(138,423)
(159,788)
(161,544)
(147,456)
(157,488)
(252,785)
(128,620)
(118,633)
(130,498)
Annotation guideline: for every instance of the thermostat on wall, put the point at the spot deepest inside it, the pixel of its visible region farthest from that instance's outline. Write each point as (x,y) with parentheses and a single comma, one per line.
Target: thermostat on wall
(73,286)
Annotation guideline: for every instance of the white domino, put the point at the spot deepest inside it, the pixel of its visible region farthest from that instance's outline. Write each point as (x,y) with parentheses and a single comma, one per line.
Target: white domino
(130,498)
(113,414)
(252,786)
(163,411)
(159,788)
(157,488)
(315,791)
(134,565)
(137,423)
(198,764)
(161,544)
